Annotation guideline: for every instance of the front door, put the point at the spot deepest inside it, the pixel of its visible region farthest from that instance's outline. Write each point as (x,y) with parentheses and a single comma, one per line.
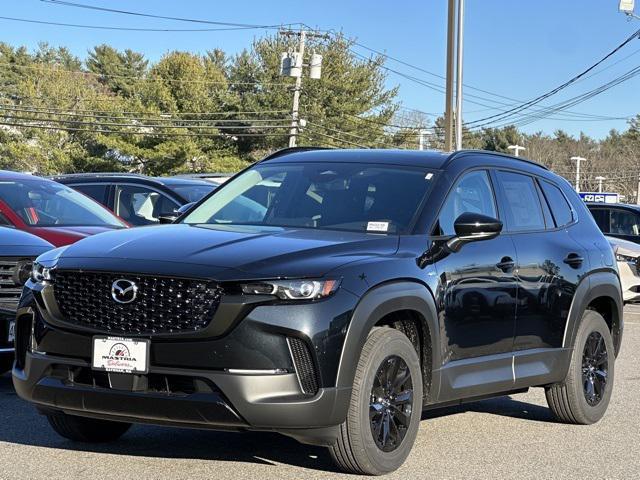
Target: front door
(477,287)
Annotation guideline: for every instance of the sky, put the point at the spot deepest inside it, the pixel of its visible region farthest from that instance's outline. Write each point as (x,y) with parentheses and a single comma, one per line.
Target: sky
(514,48)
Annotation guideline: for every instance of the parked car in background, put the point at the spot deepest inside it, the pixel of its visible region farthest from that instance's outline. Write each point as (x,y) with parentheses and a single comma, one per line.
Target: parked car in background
(628,257)
(18,250)
(620,220)
(52,211)
(368,285)
(138,199)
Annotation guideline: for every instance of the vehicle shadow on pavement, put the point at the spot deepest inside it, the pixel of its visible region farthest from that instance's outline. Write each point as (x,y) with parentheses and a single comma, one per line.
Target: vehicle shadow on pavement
(21,424)
(503,406)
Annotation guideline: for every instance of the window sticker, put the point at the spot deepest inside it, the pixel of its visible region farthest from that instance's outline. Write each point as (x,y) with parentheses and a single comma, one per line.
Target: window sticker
(377,226)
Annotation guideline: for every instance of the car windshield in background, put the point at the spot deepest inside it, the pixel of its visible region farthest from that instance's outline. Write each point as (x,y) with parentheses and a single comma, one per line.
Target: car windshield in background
(193,192)
(353,197)
(46,204)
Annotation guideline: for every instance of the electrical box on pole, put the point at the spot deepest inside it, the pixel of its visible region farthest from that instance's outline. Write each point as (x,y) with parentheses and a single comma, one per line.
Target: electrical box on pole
(315,66)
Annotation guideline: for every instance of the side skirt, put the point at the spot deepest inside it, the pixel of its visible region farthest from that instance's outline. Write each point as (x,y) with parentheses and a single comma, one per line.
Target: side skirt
(491,375)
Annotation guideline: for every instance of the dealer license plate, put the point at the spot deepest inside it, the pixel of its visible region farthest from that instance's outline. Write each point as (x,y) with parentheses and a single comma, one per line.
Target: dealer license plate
(122,355)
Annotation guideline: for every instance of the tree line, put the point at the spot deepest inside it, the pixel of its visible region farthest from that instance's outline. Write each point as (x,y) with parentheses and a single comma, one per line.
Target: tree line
(117,111)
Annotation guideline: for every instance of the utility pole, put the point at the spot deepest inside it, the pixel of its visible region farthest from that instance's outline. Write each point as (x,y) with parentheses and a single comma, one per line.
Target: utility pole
(292,66)
(459,45)
(516,149)
(448,111)
(600,179)
(578,160)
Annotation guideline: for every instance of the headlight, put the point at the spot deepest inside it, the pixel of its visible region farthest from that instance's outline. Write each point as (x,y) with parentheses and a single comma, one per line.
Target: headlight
(625,258)
(40,273)
(293,289)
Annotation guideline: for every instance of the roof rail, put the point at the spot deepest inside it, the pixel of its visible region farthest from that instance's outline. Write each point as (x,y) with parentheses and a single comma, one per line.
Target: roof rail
(98,174)
(460,153)
(286,151)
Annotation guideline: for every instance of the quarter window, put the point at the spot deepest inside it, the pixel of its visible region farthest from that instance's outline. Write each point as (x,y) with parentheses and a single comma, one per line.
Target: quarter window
(522,203)
(472,193)
(560,208)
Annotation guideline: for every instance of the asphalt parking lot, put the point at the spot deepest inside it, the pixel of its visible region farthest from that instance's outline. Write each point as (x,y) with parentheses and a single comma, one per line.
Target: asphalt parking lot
(509,437)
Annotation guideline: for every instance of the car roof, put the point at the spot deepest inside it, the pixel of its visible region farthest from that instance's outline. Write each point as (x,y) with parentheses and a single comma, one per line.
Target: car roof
(130,177)
(431,159)
(8,175)
(629,206)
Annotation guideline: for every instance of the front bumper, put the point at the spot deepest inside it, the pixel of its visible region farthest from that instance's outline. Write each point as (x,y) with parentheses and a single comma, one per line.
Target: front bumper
(246,378)
(630,280)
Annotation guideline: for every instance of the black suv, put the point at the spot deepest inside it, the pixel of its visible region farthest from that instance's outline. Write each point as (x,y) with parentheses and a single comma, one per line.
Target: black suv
(18,250)
(138,199)
(367,286)
(619,220)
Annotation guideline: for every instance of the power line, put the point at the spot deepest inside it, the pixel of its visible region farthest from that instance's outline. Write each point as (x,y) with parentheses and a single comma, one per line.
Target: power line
(540,98)
(162,17)
(133,77)
(124,29)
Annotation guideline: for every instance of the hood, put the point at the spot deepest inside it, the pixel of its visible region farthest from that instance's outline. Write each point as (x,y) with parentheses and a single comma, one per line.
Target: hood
(16,243)
(624,247)
(225,252)
(60,236)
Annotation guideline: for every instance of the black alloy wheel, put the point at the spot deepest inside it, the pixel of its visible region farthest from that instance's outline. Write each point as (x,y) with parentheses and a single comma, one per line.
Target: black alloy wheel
(390,408)
(595,368)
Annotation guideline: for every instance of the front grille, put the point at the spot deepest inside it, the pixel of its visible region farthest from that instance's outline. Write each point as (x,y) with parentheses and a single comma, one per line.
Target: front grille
(303,363)
(163,305)
(13,274)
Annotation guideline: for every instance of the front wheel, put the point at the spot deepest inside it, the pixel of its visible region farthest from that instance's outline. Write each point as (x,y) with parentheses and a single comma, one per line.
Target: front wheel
(582,398)
(88,430)
(385,409)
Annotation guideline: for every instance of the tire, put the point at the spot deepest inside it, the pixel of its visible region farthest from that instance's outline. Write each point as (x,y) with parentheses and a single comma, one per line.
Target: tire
(356,450)
(568,400)
(6,364)
(87,430)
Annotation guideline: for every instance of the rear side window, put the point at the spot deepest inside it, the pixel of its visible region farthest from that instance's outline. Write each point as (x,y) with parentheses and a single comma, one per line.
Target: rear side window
(97,192)
(560,208)
(522,203)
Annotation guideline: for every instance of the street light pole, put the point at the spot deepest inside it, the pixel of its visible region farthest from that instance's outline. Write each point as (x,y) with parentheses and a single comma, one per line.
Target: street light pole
(600,179)
(578,160)
(448,108)
(459,75)
(516,148)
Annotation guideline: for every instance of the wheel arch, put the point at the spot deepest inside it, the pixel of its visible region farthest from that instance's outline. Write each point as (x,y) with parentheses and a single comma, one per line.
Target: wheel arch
(601,292)
(374,307)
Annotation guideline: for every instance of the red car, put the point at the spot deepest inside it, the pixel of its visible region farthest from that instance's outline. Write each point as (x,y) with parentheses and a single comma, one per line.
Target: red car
(50,210)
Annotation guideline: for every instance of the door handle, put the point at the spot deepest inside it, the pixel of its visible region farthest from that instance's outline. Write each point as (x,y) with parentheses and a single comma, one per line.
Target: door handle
(506,264)
(574,260)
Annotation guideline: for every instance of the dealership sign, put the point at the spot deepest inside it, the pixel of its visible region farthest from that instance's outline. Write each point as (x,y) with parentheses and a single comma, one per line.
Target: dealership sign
(600,197)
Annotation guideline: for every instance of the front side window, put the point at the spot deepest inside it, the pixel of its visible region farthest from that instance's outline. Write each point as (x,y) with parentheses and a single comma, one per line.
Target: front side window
(522,203)
(472,193)
(141,205)
(332,196)
(41,203)
(624,222)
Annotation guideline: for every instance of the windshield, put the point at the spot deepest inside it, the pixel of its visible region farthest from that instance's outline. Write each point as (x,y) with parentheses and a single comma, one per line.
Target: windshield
(193,192)
(353,197)
(41,203)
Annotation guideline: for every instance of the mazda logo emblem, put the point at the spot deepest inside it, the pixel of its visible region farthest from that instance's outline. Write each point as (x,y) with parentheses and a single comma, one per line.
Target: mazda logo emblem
(124,291)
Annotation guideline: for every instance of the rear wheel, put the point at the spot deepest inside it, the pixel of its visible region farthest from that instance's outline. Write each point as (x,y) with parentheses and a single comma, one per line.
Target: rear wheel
(583,397)
(88,430)
(385,409)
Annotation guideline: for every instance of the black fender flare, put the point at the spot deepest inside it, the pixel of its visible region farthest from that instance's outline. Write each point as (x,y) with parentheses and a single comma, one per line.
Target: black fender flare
(603,283)
(372,307)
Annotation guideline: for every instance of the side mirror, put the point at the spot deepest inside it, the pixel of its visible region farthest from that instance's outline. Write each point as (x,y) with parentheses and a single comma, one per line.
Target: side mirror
(165,218)
(184,208)
(473,227)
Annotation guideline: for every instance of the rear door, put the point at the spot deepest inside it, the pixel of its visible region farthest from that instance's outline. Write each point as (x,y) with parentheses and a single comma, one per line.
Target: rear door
(550,262)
